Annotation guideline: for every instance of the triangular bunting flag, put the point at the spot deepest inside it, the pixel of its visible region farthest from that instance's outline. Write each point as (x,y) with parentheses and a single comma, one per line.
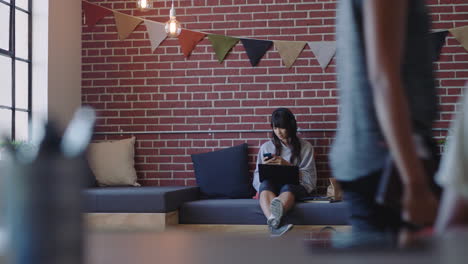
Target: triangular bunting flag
(438,40)
(156,33)
(324,51)
(188,40)
(461,34)
(94,13)
(222,45)
(125,24)
(256,49)
(289,50)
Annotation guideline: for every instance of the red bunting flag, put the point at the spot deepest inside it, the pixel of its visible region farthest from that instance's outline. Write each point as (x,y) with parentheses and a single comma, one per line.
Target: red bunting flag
(188,40)
(94,13)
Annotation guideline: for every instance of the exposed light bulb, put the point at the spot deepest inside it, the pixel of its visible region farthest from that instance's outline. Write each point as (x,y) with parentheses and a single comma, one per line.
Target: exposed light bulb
(173,27)
(144,4)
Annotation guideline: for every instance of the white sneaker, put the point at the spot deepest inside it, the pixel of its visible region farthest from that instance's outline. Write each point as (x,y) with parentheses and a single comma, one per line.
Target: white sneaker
(276,209)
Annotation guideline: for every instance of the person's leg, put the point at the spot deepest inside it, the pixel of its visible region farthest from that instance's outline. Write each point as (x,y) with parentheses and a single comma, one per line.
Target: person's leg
(283,203)
(372,225)
(265,200)
(267,193)
(289,193)
(287,200)
(280,205)
(271,207)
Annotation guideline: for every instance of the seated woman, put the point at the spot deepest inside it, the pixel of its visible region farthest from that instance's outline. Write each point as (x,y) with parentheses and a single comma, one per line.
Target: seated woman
(286,149)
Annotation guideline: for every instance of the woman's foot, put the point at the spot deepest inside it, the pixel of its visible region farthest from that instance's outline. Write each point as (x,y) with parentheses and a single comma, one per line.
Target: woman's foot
(276,232)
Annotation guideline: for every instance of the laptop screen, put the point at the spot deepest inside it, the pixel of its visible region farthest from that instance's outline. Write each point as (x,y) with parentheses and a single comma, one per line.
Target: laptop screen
(279,174)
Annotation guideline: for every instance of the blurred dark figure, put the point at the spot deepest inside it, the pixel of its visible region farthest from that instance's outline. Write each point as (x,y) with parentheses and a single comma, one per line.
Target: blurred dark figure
(387,106)
(44,207)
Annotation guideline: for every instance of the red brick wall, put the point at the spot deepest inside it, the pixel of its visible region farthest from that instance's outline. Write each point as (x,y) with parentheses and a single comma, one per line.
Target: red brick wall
(176,100)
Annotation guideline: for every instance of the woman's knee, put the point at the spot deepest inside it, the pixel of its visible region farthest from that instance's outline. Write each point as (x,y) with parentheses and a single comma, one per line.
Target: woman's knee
(288,195)
(266,186)
(296,191)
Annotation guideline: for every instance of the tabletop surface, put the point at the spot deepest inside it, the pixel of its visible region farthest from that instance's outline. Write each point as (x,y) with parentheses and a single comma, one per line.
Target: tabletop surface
(177,247)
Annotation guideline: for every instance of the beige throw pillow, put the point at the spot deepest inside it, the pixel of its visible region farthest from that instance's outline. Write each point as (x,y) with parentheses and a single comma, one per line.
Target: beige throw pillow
(112,162)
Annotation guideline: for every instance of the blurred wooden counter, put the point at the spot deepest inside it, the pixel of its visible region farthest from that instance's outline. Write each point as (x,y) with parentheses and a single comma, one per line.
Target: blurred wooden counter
(177,247)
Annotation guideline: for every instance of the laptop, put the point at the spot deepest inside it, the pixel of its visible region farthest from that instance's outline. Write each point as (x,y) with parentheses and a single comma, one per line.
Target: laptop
(279,174)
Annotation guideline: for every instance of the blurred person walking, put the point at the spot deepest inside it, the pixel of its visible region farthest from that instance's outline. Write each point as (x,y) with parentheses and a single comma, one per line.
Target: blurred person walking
(387,106)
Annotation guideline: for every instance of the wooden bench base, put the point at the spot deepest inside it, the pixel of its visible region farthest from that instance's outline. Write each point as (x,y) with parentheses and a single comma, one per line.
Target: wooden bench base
(253,229)
(131,221)
(164,221)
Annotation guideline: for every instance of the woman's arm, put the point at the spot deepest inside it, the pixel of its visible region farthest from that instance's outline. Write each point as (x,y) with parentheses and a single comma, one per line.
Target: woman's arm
(264,148)
(385,30)
(256,176)
(307,167)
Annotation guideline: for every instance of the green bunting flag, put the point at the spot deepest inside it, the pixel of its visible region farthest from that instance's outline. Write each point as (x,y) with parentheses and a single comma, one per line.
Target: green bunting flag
(222,45)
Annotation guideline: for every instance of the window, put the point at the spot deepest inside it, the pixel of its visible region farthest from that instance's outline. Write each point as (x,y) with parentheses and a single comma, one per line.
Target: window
(15,68)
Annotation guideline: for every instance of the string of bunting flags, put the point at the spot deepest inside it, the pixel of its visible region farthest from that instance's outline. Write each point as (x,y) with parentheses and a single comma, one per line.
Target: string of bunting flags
(289,51)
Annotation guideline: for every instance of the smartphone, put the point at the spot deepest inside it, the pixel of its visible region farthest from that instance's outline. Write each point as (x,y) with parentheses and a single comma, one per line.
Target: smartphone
(267,155)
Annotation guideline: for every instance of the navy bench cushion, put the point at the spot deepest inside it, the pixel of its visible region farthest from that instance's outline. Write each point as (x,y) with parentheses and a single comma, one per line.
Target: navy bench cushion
(137,199)
(248,212)
(223,173)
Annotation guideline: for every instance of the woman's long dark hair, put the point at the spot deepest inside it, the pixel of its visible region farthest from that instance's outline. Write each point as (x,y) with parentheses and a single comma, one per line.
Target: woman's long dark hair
(284,118)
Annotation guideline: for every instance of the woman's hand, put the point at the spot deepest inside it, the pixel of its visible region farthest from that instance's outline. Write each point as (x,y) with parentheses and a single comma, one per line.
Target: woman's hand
(276,160)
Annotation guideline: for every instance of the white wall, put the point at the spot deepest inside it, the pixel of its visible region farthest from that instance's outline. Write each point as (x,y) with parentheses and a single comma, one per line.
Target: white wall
(58,85)
(40,16)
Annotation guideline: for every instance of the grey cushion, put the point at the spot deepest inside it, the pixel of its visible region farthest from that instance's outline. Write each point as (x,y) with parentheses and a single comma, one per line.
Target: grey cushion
(248,212)
(137,199)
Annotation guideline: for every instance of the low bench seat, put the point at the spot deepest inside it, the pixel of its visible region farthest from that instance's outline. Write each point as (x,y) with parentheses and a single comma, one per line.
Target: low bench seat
(159,208)
(149,208)
(248,212)
(138,199)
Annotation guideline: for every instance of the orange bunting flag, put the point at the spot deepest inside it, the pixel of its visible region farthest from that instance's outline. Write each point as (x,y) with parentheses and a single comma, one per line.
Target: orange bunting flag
(126,24)
(94,13)
(189,39)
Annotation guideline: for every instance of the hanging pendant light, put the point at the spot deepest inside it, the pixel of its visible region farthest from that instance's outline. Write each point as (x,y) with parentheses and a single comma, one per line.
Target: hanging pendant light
(144,4)
(173,27)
